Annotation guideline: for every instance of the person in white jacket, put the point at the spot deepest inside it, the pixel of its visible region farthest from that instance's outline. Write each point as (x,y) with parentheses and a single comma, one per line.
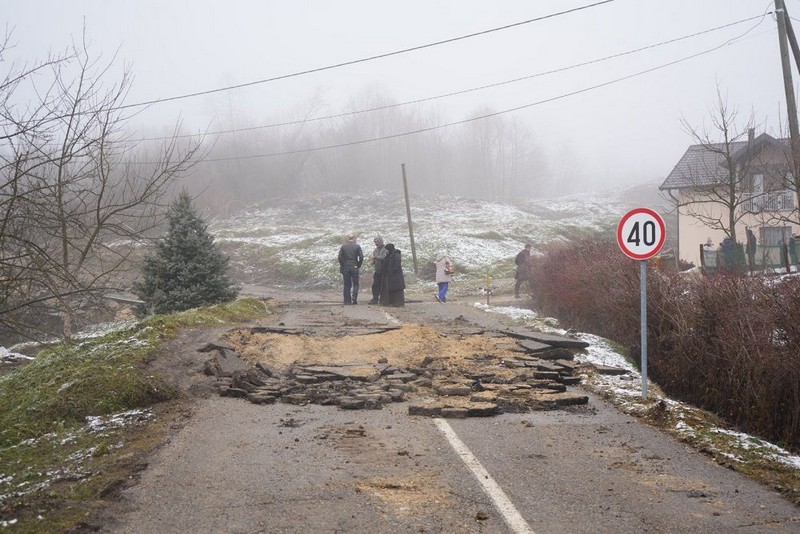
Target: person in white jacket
(444,274)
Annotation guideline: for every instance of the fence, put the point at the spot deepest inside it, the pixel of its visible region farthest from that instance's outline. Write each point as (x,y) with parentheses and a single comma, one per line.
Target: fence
(767,257)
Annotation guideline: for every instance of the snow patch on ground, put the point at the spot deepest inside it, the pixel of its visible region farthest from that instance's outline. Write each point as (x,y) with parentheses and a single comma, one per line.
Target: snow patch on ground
(307,234)
(626,390)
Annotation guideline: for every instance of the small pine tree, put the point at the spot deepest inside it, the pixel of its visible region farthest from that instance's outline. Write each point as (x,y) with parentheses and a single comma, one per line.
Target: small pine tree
(187,269)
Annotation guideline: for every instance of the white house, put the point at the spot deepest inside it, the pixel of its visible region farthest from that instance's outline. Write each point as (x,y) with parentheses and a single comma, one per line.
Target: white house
(760,194)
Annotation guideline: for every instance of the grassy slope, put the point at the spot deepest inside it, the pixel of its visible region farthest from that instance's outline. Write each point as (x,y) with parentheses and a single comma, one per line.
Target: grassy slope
(69,420)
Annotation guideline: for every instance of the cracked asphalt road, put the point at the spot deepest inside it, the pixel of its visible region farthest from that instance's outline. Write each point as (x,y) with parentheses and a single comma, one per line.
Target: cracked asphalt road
(245,468)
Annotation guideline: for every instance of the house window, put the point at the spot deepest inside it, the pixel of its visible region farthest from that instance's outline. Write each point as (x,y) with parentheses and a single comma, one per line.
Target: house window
(772,236)
(758,184)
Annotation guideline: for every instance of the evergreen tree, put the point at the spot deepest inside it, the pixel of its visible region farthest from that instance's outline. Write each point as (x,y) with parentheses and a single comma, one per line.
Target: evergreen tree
(187,269)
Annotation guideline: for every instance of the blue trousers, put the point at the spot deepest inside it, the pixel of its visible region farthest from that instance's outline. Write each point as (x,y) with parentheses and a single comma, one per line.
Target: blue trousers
(443,287)
(350,276)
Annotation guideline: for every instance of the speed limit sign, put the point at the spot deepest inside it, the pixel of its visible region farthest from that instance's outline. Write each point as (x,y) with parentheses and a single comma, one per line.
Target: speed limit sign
(641,233)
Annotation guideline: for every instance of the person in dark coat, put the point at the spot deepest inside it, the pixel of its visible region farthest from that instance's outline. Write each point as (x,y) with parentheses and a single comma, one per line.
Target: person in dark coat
(752,244)
(393,283)
(726,251)
(523,263)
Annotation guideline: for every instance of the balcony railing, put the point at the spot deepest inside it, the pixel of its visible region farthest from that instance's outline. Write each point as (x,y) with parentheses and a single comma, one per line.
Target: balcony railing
(770,201)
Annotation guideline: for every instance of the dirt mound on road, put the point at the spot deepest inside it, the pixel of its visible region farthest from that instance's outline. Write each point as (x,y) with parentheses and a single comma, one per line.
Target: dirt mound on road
(403,347)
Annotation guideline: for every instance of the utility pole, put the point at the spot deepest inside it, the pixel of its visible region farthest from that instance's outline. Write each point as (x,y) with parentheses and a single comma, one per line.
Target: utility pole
(408,216)
(792,37)
(791,104)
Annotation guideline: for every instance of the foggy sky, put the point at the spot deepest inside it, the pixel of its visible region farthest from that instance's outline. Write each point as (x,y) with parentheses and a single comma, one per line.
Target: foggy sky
(625,132)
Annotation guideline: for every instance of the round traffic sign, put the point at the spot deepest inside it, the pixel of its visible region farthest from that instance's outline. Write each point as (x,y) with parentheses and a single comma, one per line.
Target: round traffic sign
(641,233)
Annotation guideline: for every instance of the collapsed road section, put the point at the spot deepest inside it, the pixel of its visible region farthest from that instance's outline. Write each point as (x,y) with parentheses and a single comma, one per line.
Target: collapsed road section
(451,372)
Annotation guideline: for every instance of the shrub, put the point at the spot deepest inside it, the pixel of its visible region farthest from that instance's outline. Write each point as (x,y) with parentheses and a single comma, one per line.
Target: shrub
(591,287)
(729,343)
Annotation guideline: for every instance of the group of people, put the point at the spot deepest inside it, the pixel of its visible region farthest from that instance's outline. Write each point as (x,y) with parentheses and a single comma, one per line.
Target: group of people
(388,283)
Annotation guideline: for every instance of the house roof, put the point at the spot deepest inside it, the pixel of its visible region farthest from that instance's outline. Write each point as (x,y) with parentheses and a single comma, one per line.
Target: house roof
(704,165)
(751,150)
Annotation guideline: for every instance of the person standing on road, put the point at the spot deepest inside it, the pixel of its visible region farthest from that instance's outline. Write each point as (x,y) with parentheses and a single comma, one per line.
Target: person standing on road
(394,283)
(378,255)
(523,274)
(444,275)
(350,259)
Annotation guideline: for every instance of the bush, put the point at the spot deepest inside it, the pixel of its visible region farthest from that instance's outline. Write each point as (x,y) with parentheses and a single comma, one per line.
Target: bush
(591,287)
(729,344)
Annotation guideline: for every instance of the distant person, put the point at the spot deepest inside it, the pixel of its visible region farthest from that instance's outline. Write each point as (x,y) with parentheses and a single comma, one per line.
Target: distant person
(523,274)
(793,249)
(394,283)
(350,259)
(378,255)
(444,275)
(726,253)
(752,243)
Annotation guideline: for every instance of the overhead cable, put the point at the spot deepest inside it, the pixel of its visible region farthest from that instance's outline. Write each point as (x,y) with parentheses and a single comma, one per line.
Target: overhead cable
(481,117)
(456,93)
(362,60)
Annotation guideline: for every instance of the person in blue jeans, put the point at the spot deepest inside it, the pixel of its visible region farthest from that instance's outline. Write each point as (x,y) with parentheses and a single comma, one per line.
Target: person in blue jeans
(444,275)
(350,259)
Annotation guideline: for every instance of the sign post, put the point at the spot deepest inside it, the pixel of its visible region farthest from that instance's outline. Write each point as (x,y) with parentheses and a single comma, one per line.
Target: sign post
(641,234)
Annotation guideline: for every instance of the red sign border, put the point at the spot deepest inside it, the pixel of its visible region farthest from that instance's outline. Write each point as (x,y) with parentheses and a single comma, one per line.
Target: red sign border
(660,222)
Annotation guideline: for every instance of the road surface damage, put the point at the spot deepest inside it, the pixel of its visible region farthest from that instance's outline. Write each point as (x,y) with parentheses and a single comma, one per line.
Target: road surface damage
(452,372)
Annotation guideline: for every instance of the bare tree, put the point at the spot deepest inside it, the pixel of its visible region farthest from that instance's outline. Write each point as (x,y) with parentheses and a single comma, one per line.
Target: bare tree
(71,188)
(718,178)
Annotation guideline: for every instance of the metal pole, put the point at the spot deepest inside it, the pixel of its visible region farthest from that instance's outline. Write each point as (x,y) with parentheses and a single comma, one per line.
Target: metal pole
(643,284)
(408,216)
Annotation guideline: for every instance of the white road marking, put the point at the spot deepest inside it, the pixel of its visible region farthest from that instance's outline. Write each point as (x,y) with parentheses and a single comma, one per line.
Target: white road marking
(503,504)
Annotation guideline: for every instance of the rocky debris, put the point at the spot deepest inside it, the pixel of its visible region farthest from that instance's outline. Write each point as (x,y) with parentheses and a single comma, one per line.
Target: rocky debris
(550,340)
(337,331)
(608,370)
(451,410)
(225,363)
(479,385)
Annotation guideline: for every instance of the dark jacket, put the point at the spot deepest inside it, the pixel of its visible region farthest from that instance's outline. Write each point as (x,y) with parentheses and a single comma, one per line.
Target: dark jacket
(350,255)
(523,261)
(393,271)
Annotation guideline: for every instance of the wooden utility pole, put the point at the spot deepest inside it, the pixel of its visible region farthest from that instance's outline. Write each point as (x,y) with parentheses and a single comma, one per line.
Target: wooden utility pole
(791,104)
(408,216)
(792,38)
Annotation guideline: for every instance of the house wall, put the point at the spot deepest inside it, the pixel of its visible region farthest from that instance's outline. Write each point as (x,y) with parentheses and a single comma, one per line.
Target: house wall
(692,233)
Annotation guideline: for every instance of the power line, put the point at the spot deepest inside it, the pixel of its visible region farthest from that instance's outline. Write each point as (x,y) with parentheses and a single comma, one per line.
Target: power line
(461,92)
(362,60)
(733,40)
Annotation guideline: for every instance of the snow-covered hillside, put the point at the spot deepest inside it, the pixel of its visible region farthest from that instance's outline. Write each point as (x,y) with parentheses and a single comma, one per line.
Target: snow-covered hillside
(297,244)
